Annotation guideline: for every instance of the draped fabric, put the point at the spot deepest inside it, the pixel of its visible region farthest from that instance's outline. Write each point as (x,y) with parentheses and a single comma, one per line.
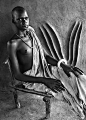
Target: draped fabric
(40,67)
(75,92)
(81,83)
(73,87)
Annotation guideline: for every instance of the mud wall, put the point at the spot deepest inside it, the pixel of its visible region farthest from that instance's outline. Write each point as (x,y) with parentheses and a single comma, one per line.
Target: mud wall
(60,13)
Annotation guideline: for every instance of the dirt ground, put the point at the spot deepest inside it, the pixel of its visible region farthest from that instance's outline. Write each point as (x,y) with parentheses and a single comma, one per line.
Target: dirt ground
(33,108)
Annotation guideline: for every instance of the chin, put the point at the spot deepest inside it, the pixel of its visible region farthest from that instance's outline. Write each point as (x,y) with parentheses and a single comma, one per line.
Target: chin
(25,28)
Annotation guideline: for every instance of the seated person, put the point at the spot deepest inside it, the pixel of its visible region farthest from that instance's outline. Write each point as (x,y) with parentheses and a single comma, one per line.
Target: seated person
(28,60)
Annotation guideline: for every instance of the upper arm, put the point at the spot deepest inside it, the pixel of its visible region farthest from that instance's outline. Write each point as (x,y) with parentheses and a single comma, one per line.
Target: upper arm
(12,49)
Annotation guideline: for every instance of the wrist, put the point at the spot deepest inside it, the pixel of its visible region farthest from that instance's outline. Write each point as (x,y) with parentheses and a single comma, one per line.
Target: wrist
(61,61)
(43,80)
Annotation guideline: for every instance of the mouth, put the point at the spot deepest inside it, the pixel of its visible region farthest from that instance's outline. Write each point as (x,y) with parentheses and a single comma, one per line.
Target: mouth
(25,26)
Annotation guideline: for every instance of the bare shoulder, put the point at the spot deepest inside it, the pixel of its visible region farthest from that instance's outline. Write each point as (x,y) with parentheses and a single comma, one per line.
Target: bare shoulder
(13,42)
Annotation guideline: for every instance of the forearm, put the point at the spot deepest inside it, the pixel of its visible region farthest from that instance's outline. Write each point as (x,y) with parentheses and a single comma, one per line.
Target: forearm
(51,61)
(32,79)
(66,67)
(63,65)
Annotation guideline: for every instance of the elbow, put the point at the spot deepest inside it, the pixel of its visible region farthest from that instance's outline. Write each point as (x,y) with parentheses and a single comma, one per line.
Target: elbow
(17,76)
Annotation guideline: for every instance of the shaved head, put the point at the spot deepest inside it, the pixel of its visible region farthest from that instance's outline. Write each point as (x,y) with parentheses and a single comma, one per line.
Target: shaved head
(20,18)
(16,10)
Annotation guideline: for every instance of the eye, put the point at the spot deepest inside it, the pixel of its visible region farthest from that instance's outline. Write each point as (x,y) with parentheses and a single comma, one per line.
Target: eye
(26,18)
(22,19)
(19,19)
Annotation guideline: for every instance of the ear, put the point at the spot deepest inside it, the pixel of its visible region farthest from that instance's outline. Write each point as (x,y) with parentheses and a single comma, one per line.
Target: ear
(13,21)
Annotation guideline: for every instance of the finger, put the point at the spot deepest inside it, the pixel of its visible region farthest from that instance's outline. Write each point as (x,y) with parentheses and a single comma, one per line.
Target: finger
(58,89)
(78,70)
(61,87)
(57,81)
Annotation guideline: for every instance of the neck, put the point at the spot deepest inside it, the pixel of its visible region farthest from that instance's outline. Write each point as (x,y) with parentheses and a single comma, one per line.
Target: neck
(21,33)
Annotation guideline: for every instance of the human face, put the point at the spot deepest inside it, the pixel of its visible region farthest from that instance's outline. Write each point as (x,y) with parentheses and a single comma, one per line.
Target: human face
(21,20)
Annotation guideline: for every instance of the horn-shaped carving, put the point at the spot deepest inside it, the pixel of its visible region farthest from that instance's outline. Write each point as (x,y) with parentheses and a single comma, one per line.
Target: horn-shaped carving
(68,40)
(71,42)
(53,42)
(45,41)
(76,45)
(48,40)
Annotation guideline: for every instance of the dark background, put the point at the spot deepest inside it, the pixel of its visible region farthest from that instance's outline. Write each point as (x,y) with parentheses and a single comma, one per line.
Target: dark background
(60,13)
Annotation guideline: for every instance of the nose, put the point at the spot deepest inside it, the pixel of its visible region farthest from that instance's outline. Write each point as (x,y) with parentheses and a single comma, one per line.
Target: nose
(24,20)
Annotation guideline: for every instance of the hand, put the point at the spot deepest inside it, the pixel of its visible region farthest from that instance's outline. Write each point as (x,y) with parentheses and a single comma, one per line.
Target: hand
(54,85)
(66,68)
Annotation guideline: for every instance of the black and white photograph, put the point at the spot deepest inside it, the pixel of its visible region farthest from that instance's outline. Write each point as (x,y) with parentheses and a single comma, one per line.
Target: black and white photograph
(42,60)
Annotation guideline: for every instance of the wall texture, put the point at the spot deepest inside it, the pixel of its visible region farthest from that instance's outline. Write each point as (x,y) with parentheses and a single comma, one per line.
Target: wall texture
(60,13)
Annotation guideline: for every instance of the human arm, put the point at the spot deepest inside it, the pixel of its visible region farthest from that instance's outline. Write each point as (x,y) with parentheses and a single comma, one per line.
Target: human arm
(66,68)
(54,62)
(49,82)
(50,60)
(14,63)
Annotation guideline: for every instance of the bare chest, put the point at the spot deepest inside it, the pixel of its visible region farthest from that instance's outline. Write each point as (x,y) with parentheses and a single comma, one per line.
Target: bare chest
(25,53)
(25,47)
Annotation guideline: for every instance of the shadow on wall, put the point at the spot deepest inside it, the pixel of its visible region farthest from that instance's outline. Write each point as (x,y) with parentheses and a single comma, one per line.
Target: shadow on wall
(4,71)
(6,33)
